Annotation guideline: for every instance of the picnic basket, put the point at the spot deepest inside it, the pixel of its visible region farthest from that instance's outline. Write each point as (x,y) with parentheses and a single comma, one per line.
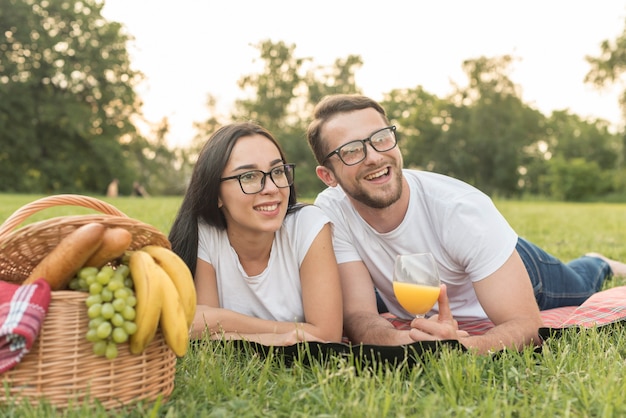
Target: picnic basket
(60,366)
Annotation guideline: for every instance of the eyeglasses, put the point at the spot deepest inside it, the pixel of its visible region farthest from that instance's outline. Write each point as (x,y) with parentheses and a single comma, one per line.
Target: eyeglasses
(252,182)
(355,151)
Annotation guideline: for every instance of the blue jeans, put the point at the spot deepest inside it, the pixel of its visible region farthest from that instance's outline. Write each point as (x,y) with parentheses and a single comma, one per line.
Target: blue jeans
(559,284)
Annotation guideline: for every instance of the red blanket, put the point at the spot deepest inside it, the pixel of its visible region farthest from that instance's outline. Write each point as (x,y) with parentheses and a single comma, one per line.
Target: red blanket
(602,308)
(22,312)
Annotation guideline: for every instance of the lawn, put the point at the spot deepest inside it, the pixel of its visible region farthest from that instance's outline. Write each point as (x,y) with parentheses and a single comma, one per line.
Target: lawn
(579,374)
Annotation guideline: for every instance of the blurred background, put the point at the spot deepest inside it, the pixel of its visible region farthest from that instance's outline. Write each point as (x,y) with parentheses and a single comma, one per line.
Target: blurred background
(521,99)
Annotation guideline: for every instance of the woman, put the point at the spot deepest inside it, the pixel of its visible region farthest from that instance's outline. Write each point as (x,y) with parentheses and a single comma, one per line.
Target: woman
(265,270)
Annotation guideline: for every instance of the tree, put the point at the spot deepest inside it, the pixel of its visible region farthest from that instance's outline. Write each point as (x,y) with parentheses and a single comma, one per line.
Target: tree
(281,98)
(610,66)
(575,179)
(68,96)
(494,127)
(422,118)
(572,137)
(481,133)
(606,69)
(273,90)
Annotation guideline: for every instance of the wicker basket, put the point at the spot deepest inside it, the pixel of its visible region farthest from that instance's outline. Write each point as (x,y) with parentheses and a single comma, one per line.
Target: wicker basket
(60,366)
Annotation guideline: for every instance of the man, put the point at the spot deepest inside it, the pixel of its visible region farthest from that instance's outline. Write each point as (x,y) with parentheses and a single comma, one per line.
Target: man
(380,210)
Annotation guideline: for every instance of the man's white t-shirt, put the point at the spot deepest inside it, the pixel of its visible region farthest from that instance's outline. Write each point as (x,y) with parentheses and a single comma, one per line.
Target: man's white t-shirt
(453,220)
(276,293)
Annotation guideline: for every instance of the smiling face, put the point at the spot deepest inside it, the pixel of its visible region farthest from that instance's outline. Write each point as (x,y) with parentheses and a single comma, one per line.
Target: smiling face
(375,182)
(260,212)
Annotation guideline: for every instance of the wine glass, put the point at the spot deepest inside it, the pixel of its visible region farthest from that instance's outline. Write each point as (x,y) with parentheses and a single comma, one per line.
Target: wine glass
(416,282)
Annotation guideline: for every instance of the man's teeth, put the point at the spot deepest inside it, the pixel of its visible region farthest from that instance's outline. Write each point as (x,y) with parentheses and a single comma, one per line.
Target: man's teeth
(377,174)
(267,208)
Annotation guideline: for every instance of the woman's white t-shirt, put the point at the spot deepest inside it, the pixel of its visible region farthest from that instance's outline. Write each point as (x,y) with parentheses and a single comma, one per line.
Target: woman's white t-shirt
(456,222)
(276,293)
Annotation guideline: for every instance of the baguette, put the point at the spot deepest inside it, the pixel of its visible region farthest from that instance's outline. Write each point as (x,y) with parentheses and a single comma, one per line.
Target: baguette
(115,242)
(68,257)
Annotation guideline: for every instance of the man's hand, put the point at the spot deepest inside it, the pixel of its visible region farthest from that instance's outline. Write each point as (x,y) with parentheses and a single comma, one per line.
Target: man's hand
(442,326)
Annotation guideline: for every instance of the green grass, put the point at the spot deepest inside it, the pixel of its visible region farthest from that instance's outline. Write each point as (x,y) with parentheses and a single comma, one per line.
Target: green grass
(579,374)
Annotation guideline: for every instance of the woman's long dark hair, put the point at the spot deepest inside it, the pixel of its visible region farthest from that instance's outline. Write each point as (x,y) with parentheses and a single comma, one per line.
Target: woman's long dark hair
(200,203)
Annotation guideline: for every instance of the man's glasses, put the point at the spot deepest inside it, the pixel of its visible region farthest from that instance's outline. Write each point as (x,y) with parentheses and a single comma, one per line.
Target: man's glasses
(252,182)
(355,151)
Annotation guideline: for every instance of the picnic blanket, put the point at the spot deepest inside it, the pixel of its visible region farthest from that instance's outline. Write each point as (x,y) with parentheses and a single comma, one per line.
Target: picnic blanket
(602,308)
(22,312)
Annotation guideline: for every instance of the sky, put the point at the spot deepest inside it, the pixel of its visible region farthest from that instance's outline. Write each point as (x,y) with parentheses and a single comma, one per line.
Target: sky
(188,49)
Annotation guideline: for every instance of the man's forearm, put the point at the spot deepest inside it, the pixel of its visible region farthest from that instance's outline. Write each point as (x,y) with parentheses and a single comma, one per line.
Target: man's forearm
(510,335)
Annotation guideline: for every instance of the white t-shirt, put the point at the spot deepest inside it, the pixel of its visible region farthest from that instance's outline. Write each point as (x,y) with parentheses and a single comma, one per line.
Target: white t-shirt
(456,222)
(276,293)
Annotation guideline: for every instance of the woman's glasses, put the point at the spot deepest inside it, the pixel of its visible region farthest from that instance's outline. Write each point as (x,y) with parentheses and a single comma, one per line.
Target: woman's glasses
(252,182)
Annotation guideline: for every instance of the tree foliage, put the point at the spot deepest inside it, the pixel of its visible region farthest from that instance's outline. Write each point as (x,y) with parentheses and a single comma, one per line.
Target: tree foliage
(610,66)
(68,99)
(482,133)
(281,98)
(69,102)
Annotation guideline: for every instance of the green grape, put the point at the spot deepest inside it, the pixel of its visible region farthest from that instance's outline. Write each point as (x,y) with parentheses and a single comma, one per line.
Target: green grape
(115,285)
(118,275)
(92,335)
(123,270)
(108,270)
(122,293)
(91,279)
(99,347)
(110,307)
(110,350)
(119,304)
(85,272)
(104,330)
(107,311)
(129,313)
(82,284)
(128,282)
(130,327)
(95,288)
(106,294)
(95,323)
(131,301)
(92,300)
(119,335)
(117,320)
(74,284)
(94,311)
(104,277)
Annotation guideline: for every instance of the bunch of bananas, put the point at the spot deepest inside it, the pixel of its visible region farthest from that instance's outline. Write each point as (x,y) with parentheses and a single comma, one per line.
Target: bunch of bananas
(166,297)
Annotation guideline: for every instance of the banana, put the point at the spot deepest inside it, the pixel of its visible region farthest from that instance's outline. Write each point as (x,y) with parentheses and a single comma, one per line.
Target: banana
(173,321)
(180,274)
(148,292)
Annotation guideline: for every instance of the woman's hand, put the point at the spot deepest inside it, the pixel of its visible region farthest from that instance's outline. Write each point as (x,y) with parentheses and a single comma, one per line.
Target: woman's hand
(270,339)
(292,337)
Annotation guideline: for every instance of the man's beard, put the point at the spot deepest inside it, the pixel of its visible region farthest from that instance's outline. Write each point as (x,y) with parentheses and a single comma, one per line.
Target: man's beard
(374,200)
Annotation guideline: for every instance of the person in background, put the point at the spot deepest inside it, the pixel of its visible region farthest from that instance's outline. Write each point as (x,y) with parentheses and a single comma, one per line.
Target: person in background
(112,189)
(139,190)
(380,210)
(263,264)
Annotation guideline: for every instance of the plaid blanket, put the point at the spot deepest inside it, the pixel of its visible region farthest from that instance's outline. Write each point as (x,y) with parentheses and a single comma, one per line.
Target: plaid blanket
(22,312)
(603,308)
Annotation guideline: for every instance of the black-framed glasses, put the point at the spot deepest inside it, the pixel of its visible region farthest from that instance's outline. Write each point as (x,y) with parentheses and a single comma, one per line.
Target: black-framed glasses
(355,151)
(253,181)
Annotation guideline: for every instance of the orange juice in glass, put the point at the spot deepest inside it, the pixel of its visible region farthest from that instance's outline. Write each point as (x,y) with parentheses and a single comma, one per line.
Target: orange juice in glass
(416,282)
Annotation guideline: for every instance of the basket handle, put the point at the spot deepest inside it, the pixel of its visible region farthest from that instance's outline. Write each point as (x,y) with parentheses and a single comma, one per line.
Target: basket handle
(57,200)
